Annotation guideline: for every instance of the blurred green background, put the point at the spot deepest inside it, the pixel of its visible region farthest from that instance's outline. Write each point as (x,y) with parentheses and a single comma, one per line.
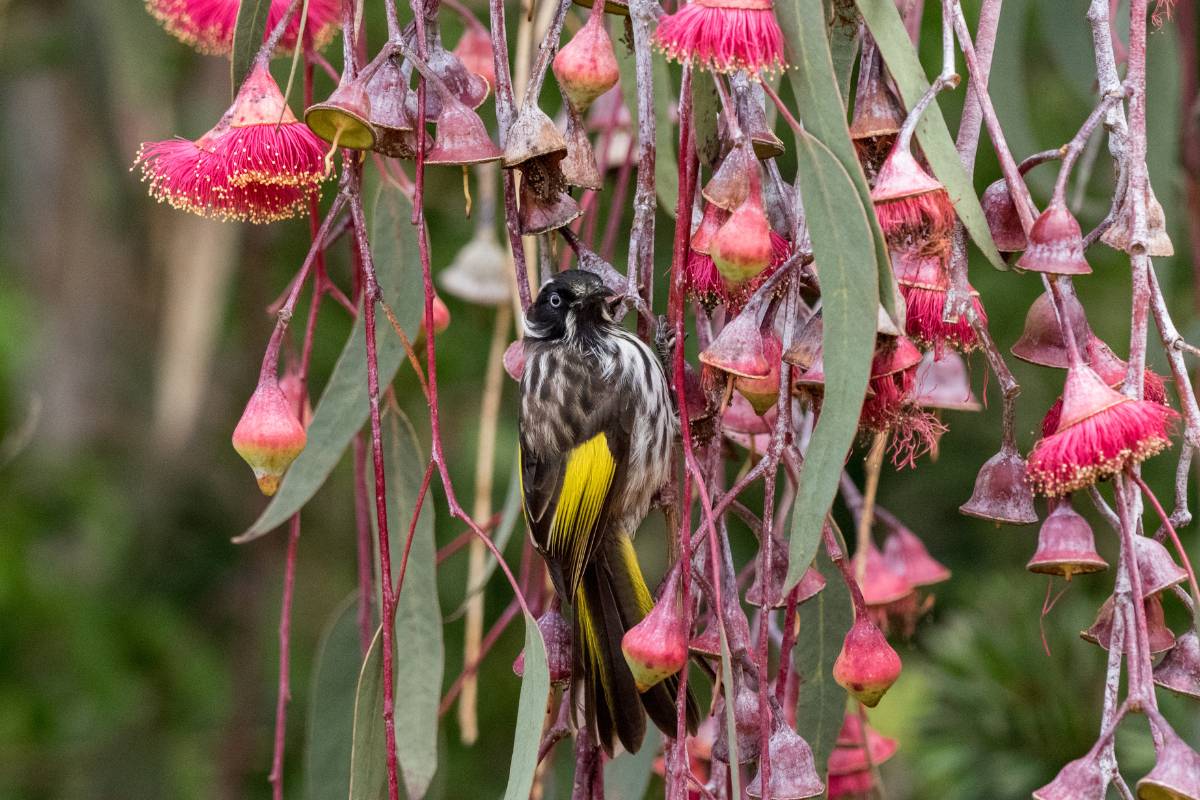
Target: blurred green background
(138,644)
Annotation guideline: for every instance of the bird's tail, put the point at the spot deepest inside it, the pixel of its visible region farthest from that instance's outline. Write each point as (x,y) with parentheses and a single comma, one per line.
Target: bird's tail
(612,598)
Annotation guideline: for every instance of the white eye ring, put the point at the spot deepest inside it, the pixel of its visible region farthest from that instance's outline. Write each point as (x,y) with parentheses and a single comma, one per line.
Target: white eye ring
(555,300)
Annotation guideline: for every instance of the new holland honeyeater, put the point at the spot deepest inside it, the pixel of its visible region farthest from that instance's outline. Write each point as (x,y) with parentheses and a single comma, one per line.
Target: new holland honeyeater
(597,430)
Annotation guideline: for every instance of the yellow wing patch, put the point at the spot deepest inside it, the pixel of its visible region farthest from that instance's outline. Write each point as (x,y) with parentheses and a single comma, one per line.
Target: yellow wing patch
(586,481)
(640,591)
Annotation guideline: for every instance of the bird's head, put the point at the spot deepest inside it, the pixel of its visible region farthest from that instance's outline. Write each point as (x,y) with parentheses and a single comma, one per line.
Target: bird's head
(571,303)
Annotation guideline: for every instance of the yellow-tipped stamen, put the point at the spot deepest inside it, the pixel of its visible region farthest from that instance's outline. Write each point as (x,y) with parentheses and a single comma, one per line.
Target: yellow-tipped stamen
(337,136)
(467,190)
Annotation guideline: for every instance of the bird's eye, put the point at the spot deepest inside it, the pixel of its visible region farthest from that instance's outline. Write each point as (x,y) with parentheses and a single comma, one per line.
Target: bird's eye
(555,300)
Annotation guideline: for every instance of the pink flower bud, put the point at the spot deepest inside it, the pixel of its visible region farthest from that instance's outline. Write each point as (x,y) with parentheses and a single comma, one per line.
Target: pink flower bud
(742,247)
(269,436)
(586,66)
(867,666)
(657,647)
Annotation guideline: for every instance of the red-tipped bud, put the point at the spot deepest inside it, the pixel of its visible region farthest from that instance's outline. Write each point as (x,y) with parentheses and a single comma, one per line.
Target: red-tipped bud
(763,393)
(1112,370)
(657,647)
(710,222)
(1001,493)
(556,633)
(269,436)
(1055,244)
(1179,670)
(867,666)
(586,66)
(742,248)
(1066,546)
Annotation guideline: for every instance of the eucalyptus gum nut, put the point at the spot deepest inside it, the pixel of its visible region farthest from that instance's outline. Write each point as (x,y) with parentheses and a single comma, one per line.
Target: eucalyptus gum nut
(1055,244)
(1042,341)
(579,167)
(1081,779)
(1157,568)
(344,118)
(1066,545)
(1002,218)
(1001,493)
(462,139)
(1179,669)
(556,634)
(794,774)
(533,135)
(1176,773)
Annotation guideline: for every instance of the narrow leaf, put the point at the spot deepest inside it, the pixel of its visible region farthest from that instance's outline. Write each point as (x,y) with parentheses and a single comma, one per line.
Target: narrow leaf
(886,27)
(531,714)
(342,409)
(666,162)
(842,244)
(419,654)
(820,99)
(248,34)
(824,621)
(627,777)
(843,47)
(331,710)
(706,106)
(368,754)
